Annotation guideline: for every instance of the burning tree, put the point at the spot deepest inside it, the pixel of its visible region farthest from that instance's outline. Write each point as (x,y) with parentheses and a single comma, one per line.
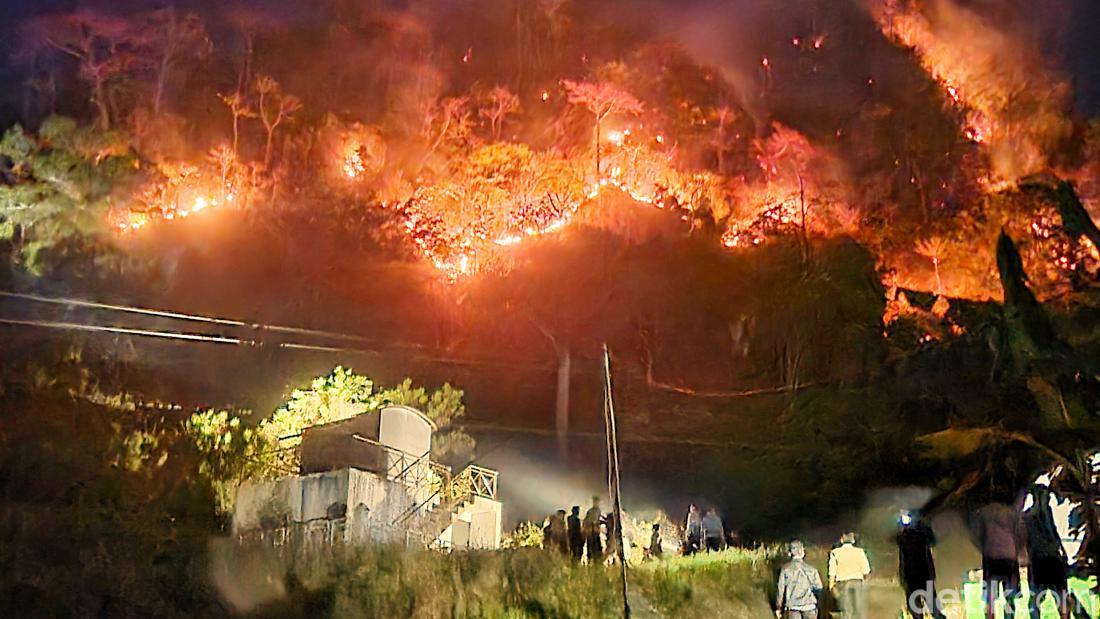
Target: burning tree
(602,99)
(934,248)
(240,109)
(447,121)
(274,107)
(498,103)
(496,196)
(724,118)
(796,182)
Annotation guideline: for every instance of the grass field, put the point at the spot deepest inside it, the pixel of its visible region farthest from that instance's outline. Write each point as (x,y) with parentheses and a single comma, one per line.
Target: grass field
(531,583)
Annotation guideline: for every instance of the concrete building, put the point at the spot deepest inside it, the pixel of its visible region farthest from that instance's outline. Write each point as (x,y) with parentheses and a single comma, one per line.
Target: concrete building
(370,478)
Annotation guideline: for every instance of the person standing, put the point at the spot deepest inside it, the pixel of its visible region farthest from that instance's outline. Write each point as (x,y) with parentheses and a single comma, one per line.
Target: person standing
(799,586)
(693,525)
(576,537)
(590,528)
(713,532)
(611,536)
(655,550)
(1048,568)
(848,567)
(998,529)
(554,535)
(917,567)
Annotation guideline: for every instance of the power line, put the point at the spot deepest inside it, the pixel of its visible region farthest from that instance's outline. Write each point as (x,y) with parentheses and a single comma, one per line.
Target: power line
(258,328)
(182,316)
(75,326)
(637,438)
(221,339)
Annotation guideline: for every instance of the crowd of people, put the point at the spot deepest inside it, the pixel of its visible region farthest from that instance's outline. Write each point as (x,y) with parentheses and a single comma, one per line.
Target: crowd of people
(594,538)
(1007,536)
(591,537)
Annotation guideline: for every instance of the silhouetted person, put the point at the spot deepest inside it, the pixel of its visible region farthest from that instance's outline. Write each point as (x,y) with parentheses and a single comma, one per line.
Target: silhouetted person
(916,567)
(559,537)
(611,530)
(998,529)
(713,533)
(553,531)
(590,528)
(693,526)
(576,537)
(655,549)
(848,567)
(1048,571)
(799,586)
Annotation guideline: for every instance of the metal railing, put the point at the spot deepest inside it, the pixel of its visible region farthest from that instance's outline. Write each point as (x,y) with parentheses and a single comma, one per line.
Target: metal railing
(483,481)
(402,466)
(473,481)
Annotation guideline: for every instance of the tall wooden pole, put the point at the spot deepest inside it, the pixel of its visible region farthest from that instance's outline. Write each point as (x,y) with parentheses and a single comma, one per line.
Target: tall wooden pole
(613,472)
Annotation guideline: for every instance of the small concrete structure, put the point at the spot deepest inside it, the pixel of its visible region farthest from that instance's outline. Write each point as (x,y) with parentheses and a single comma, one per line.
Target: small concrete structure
(369,478)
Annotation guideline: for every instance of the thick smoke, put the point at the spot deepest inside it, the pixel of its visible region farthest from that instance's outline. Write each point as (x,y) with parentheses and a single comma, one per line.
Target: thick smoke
(1014,102)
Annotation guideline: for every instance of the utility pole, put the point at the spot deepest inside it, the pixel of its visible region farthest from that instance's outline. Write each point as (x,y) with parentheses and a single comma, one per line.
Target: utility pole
(613,471)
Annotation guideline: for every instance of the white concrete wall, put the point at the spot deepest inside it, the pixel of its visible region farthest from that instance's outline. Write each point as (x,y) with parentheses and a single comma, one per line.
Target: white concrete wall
(406,429)
(372,503)
(476,524)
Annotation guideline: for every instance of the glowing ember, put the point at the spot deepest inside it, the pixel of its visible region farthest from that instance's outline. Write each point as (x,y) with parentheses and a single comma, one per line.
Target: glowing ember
(354,164)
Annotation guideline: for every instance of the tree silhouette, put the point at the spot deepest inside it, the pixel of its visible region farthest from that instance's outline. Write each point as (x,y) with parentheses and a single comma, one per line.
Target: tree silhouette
(107,50)
(498,103)
(239,108)
(602,99)
(174,39)
(274,108)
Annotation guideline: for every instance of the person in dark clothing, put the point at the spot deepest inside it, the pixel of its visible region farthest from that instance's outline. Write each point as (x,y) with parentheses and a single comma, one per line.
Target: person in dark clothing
(693,526)
(576,538)
(590,529)
(561,533)
(916,566)
(554,535)
(713,531)
(610,523)
(655,550)
(999,536)
(1048,571)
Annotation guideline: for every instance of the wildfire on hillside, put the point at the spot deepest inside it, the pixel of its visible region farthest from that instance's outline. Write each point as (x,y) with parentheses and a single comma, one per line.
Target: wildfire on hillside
(467,173)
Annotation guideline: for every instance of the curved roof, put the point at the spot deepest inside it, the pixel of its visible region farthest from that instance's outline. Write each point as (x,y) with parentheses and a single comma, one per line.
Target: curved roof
(409,409)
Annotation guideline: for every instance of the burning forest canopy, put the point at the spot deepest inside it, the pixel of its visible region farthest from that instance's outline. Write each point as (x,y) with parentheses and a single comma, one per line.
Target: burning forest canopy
(835,228)
(461,132)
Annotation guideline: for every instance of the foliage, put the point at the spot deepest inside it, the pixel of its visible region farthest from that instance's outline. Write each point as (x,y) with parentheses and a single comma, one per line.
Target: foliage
(519,582)
(90,529)
(64,183)
(335,396)
(229,453)
(342,394)
(526,535)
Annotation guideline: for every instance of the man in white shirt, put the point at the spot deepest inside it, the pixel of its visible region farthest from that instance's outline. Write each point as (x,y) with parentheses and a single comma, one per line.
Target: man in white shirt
(848,566)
